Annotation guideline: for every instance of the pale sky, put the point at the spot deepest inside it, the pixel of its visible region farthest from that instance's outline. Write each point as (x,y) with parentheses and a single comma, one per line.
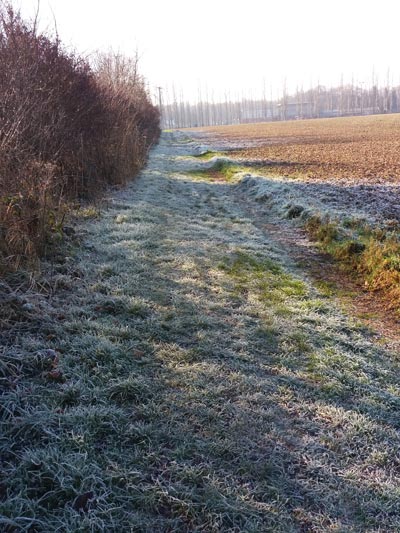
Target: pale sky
(235,45)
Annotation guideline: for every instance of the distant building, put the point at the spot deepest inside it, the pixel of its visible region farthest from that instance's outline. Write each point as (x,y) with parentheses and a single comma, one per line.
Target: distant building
(295,110)
(258,112)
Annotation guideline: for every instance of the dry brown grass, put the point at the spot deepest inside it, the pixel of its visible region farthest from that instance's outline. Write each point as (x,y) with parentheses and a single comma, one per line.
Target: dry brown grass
(354,148)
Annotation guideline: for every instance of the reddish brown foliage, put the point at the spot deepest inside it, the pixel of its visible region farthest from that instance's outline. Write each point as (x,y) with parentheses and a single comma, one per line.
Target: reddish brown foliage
(66,131)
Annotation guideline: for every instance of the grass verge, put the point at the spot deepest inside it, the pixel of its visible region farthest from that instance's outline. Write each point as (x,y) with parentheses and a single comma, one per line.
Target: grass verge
(372,253)
(221,170)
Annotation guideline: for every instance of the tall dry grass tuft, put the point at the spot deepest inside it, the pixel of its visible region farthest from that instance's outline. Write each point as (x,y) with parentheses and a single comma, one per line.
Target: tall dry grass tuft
(67,130)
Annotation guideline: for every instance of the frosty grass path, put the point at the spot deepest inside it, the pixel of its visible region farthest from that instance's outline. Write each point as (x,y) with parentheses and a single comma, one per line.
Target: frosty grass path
(209,386)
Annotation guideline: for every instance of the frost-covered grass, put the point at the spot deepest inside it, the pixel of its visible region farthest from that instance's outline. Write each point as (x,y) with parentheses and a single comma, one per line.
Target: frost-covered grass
(206,155)
(357,226)
(200,383)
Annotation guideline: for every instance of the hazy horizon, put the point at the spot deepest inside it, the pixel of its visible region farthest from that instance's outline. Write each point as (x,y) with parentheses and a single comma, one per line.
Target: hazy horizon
(228,46)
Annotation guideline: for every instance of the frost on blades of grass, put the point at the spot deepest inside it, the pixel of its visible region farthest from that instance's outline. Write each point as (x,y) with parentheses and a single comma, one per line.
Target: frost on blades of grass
(202,385)
(354,225)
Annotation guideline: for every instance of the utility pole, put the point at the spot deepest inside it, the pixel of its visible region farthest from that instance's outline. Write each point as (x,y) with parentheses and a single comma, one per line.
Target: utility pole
(160,103)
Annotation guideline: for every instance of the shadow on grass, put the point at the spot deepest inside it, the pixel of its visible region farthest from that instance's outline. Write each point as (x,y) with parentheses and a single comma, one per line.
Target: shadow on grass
(199,392)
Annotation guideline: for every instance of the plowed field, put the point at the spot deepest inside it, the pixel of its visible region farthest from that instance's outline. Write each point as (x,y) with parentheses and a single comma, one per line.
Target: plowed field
(354,149)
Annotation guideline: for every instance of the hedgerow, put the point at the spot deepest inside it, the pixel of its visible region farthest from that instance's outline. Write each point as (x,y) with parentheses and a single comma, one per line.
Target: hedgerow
(68,129)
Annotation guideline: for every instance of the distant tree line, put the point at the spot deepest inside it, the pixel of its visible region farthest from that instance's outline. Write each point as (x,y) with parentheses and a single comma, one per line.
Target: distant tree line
(318,102)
